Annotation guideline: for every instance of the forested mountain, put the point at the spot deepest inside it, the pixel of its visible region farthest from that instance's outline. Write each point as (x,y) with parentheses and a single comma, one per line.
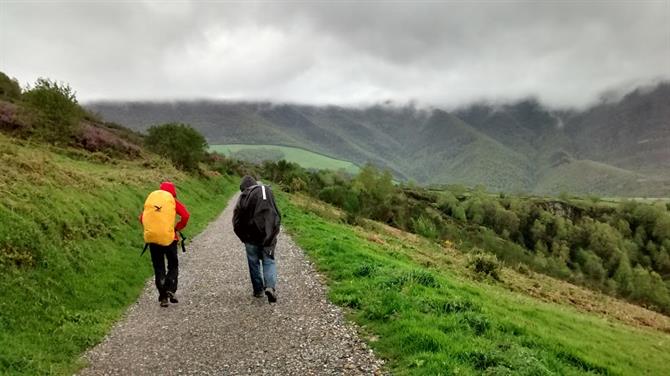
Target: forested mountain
(614,148)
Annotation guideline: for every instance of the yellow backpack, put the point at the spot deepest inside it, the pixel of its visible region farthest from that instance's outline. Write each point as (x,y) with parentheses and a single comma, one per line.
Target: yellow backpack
(158,218)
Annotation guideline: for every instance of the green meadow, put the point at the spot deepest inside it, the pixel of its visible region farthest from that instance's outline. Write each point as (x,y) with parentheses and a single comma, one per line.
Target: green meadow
(304,158)
(426,319)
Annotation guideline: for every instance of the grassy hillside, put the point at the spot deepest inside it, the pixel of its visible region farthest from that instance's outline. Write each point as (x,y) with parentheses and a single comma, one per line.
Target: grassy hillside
(70,244)
(633,133)
(304,158)
(467,156)
(588,177)
(427,314)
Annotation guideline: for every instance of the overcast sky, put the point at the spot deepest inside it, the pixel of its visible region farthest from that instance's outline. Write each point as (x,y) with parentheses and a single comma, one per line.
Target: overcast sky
(434,53)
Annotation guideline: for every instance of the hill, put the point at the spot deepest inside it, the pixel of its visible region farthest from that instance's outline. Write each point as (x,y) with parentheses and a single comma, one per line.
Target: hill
(70,244)
(505,147)
(425,308)
(69,236)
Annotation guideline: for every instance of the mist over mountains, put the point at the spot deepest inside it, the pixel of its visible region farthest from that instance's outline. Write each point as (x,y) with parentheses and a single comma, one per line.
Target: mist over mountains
(614,148)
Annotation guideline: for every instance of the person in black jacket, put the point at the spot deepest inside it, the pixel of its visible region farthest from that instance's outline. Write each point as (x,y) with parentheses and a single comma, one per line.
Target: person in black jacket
(256,222)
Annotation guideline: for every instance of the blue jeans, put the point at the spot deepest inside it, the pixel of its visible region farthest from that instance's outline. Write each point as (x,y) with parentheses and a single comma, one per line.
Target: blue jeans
(256,256)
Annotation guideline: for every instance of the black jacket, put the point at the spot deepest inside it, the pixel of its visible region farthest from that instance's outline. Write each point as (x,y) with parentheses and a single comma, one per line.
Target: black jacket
(256,219)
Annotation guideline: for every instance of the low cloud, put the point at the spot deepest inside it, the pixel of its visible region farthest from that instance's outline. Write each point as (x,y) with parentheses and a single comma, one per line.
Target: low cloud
(442,54)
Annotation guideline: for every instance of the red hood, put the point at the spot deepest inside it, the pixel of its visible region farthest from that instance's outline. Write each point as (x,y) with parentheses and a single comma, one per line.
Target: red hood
(169,187)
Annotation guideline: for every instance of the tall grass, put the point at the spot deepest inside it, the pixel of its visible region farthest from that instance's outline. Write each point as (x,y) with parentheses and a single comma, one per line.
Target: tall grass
(69,248)
(428,321)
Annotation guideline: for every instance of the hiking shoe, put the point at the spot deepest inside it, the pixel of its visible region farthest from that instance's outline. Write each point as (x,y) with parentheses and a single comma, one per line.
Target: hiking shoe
(258,294)
(272,295)
(173,298)
(164,302)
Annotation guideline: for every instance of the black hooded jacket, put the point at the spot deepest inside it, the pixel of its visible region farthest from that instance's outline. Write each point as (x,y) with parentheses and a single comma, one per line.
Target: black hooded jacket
(256,219)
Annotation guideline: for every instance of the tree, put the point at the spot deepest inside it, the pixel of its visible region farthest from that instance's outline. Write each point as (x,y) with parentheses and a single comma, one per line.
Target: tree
(506,221)
(662,227)
(538,230)
(375,190)
(53,110)
(592,266)
(624,276)
(606,242)
(179,142)
(475,211)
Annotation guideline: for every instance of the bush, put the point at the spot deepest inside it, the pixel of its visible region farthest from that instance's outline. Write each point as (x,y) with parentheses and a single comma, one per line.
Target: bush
(53,110)
(459,213)
(9,88)
(425,227)
(98,139)
(179,142)
(485,264)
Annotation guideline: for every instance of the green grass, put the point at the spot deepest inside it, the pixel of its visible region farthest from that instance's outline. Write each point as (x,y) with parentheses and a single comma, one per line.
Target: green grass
(426,320)
(304,158)
(70,224)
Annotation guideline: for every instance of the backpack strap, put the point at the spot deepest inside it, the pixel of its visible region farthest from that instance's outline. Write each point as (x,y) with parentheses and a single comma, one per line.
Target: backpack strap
(146,245)
(183,241)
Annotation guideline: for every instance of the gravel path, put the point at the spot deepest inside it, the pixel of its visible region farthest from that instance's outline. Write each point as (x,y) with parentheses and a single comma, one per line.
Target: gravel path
(219,328)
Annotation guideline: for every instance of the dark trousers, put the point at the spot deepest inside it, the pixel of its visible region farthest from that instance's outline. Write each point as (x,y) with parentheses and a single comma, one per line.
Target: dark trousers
(165,281)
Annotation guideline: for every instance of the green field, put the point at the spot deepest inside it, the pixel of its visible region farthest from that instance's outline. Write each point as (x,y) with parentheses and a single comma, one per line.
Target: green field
(421,312)
(304,158)
(70,243)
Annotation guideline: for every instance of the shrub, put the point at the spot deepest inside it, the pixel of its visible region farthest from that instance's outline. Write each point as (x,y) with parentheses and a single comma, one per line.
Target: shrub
(9,88)
(179,142)
(459,213)
(485,264)
(424,226)
(296,185)
(99,139)
(53,110)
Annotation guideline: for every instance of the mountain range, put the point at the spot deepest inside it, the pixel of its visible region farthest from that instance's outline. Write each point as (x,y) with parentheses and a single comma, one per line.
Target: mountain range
(614,148)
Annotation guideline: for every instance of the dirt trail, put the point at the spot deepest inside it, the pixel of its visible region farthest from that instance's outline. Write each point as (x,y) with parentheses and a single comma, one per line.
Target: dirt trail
(219,328)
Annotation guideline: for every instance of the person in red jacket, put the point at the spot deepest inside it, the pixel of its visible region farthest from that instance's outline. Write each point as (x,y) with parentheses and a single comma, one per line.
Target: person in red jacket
(166,283)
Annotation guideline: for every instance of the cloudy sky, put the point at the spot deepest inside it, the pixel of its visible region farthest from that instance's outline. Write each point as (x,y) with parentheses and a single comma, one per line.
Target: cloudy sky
(567,53)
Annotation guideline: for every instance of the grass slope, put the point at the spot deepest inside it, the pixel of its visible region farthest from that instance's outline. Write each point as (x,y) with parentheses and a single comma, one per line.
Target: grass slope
(427,319)
(589,177)
(70,224)
(304,158)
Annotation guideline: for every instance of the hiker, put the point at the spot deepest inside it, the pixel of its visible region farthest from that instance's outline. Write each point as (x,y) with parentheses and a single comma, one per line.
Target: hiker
(256,222)
(160,234)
